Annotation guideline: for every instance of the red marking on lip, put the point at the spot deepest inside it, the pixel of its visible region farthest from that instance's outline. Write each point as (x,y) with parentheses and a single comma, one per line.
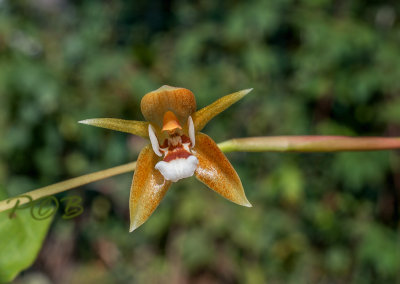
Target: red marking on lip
(172,147)
(177,153)
(185,139)
(165,144)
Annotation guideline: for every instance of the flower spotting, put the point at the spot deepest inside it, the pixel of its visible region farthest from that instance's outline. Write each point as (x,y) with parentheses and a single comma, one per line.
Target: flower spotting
(177,149)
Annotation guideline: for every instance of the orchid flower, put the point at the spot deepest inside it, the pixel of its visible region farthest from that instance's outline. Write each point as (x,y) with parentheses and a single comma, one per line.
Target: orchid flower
(177,149)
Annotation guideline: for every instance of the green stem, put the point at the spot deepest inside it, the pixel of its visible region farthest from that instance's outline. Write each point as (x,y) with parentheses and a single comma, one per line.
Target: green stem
(66,185)
(252,144)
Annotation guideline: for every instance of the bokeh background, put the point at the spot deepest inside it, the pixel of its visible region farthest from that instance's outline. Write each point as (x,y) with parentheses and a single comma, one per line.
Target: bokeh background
(318,67)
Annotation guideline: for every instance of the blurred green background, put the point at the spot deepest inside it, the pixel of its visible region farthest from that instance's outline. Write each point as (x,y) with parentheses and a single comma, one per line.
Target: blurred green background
(317,67)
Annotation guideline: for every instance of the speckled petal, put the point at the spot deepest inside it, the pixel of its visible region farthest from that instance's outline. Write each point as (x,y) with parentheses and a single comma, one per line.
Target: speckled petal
(215,171)
(139,128)
(147,190)
(204,115)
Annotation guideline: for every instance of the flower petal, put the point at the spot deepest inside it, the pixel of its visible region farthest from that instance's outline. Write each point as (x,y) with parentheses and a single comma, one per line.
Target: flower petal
(215,171)
(135,127)
(192,132)
(147,190)
(204,115)
(180,101)
(154,141)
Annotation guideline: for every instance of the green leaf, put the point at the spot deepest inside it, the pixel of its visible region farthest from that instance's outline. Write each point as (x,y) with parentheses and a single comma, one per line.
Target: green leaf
(20,241)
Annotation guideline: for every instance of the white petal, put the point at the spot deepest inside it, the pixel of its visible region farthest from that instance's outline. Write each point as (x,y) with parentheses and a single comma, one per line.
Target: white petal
(191,131)
(178,169)
(154,141)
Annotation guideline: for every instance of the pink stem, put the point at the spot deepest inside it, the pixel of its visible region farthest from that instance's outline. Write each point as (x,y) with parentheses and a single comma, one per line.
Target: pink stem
(309,144)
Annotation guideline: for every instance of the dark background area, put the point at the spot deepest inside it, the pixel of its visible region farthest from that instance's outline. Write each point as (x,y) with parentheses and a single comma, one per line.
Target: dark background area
(318,67)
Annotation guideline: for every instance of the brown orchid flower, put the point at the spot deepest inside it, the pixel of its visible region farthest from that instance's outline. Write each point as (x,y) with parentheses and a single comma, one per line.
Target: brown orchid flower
(177,149)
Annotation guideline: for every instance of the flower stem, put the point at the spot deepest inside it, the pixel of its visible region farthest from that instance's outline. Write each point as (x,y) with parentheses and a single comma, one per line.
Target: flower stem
(251,144)
(66,185)
(309,144)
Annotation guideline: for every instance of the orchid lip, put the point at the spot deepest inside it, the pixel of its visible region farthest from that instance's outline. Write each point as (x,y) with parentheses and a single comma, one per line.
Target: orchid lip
(178,162)
(178,168)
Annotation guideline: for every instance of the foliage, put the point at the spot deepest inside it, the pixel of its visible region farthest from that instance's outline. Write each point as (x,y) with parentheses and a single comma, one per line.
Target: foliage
(20,241)
(317,67)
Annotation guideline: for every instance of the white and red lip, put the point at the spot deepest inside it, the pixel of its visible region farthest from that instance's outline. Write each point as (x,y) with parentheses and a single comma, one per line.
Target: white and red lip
(178,161)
